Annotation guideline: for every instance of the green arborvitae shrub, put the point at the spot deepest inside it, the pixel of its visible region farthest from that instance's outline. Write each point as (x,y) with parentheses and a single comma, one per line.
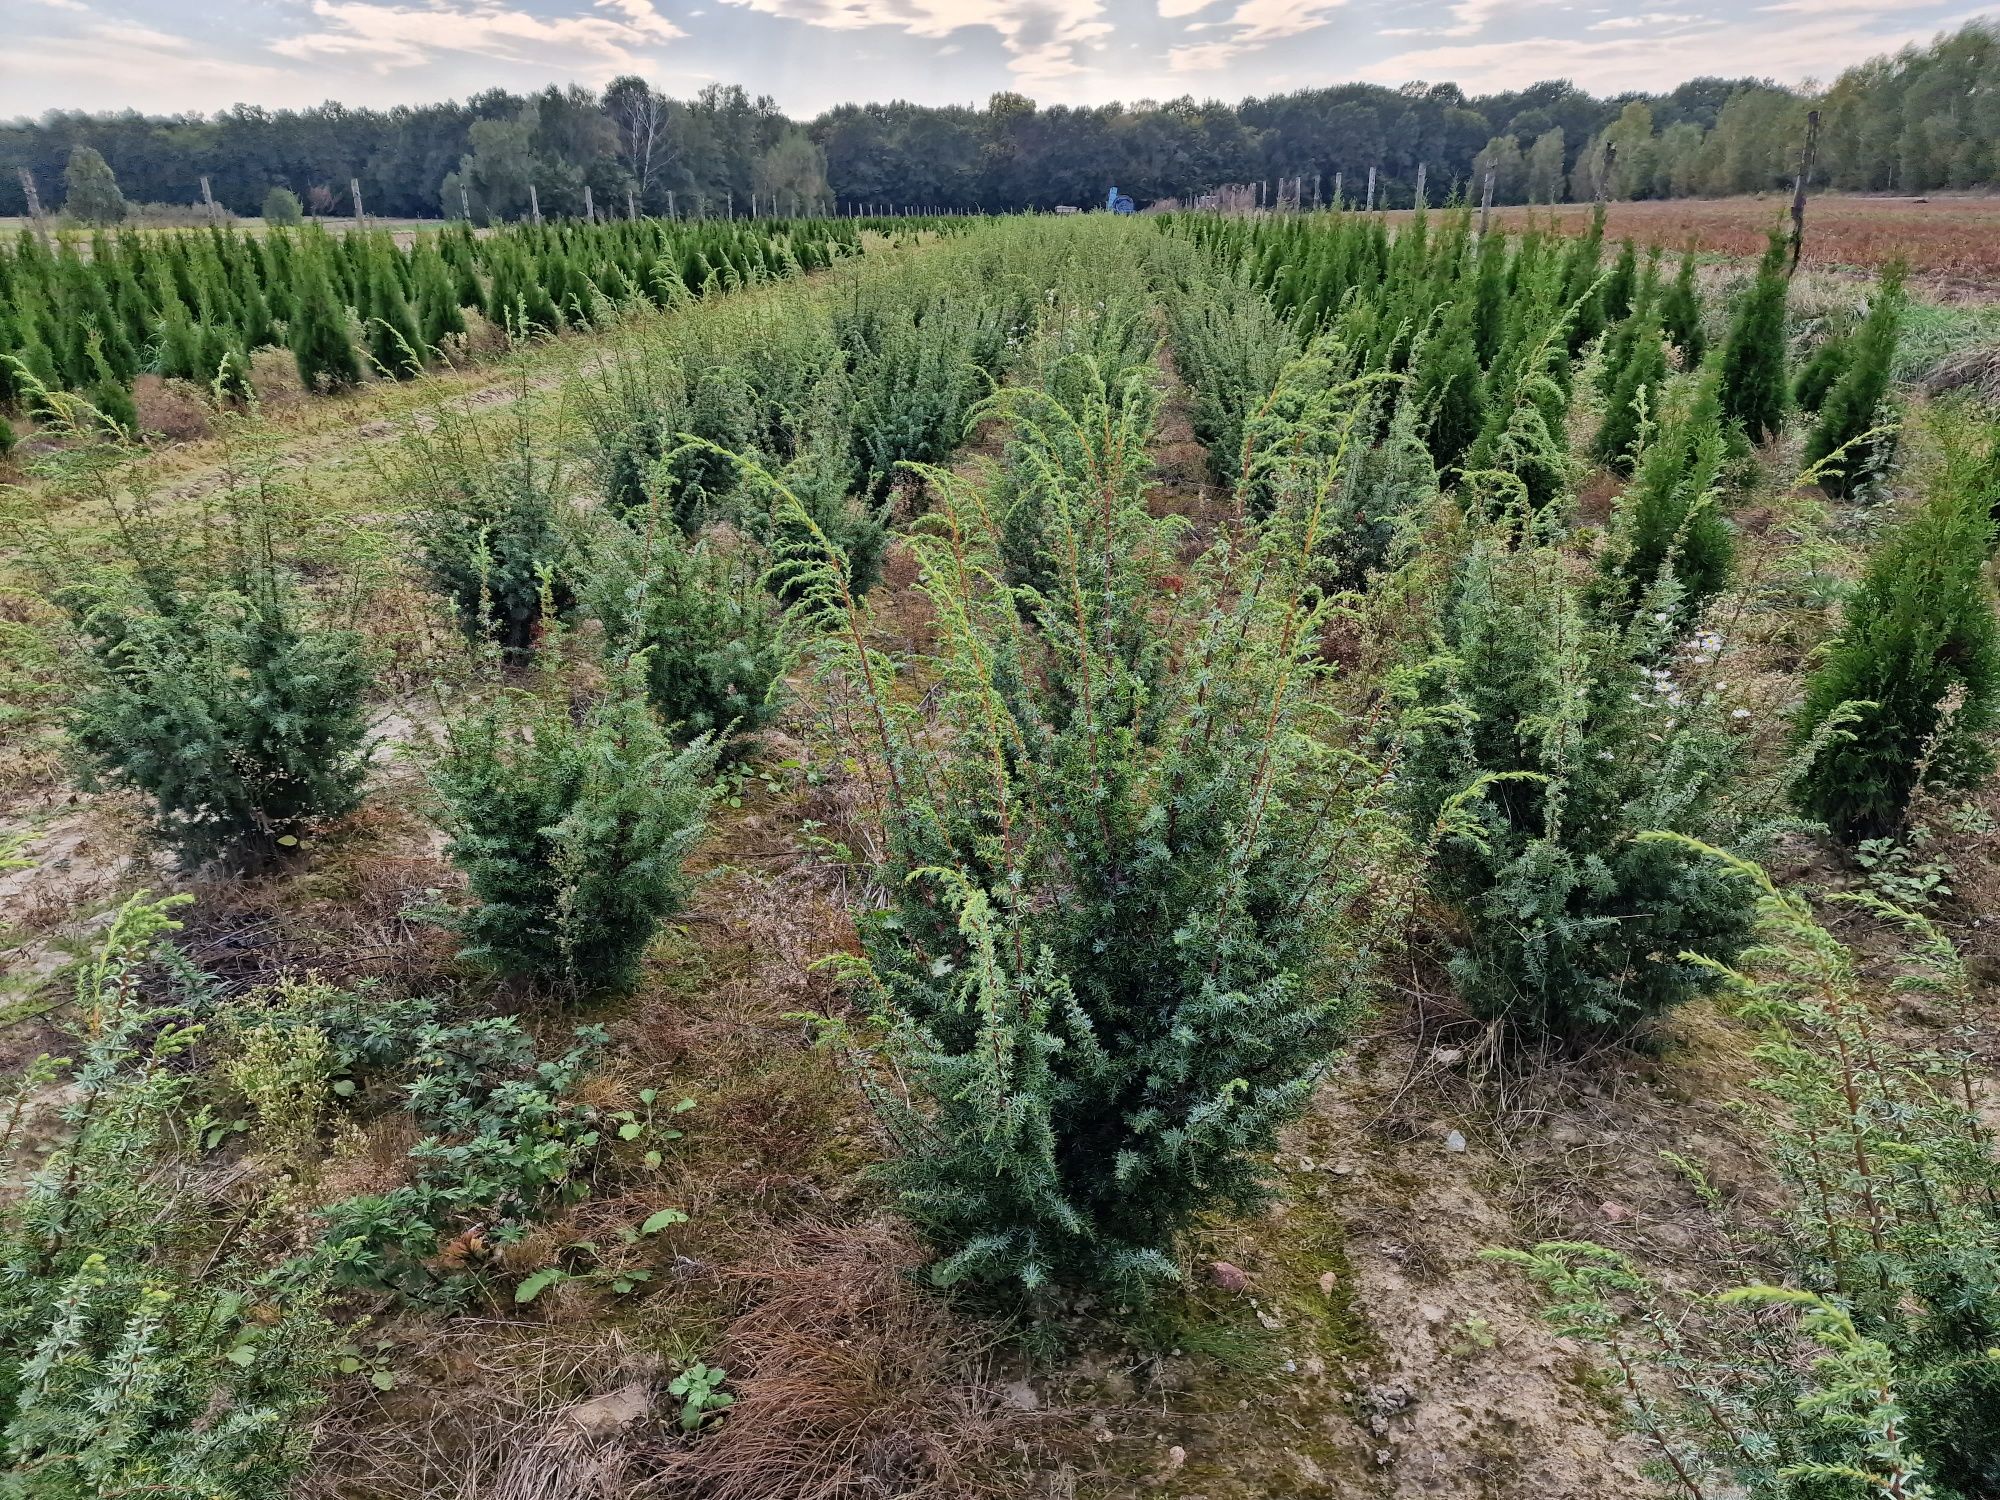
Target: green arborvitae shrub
(282,208)
(1635,373)
(320,340)
(571,829)
(1670,516)
(1450,388)
(224,698)
(1820,374)
(395,342)
(709,634)
(1680,314)
(1910,692)
(438,306)
(1754,385)
(1538,745)
(1840,448)
(1118,943)
(492,526)
(142,1355)
(8,438)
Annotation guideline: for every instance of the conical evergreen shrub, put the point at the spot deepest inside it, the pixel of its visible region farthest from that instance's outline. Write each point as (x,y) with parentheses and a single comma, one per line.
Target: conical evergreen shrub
(1670,515)
(1754,386)
(321,346)
(395,342)
(1680,313)
(1636,374)
(1840,446)
(1537,746)
(1909,694)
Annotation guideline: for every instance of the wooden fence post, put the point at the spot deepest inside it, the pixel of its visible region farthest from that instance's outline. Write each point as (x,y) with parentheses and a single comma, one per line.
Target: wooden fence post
(35,206)
(208,197)
(631,206)
(670,203)
(534,204)
(1486,203)
(589,206)
(1338,178)
(1422,169)
(465,200)
(1371,191)
(354,187)
(1604,173)
(1799,193)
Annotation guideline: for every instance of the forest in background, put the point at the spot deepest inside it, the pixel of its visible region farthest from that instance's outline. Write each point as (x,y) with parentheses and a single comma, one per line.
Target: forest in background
(1923,120)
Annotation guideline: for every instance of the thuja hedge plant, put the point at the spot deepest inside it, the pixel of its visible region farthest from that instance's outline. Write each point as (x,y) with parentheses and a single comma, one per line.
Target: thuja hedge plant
(1909,693)
(1120,855)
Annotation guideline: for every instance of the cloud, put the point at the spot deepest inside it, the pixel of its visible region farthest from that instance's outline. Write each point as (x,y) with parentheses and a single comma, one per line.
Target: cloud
(1633,60)
(75,5)
(141,65)
(1252,26)
(1043,38)
(1639,22)
(391,36)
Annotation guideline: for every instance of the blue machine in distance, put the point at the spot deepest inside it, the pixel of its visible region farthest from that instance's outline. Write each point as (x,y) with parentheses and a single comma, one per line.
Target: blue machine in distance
(1117,202)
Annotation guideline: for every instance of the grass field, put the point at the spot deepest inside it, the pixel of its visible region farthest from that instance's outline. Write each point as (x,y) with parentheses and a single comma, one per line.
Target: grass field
(1950,239)
(1157,565)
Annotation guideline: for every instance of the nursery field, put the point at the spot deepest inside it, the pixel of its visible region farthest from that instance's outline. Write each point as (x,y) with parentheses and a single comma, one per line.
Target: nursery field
(1023,859)
(1950,238)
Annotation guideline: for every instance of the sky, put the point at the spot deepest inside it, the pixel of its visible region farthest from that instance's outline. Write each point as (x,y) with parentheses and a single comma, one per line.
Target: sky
(170,56)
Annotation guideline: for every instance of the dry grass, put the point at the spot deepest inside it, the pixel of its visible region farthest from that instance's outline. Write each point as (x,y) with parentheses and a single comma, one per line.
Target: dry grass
(850,1380)
(1953,241)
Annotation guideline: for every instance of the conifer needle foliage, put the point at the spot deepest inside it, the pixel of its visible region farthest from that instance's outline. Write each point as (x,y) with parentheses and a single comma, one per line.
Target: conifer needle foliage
(1910,692)
(571,831)
(1540,743)
(1119,858)
(136,1356)
(1754,383)
(213,685)
(1874,1369)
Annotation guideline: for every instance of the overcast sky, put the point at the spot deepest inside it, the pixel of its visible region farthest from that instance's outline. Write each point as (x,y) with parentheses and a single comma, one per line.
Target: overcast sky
(174,55)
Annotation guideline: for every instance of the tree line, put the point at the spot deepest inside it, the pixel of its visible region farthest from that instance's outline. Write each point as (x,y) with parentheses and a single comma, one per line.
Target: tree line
(1922,120)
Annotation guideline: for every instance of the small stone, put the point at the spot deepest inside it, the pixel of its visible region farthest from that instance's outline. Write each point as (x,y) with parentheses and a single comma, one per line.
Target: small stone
(1231,1278)
(1327,1282)
(1454,1142)
(1617,1213)
(614,1411)
(1271,1323)
(1430,1312)
(1022,1396)
(1176,1457)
